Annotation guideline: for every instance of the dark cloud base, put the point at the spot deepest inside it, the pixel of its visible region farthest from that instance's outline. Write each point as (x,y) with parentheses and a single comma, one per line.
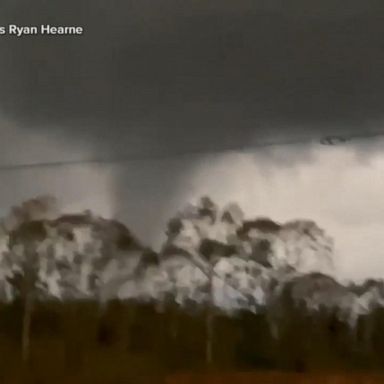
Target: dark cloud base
(163,78)
(174,76)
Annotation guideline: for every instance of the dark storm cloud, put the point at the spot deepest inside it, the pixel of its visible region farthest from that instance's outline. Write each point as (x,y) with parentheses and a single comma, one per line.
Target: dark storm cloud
(163,77)
(167,76)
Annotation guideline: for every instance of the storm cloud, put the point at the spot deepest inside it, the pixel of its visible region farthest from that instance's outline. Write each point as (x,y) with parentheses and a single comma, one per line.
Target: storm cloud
(171,85)
(150,77)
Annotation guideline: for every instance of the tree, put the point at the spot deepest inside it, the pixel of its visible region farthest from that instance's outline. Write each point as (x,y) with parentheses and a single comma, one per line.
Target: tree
(205,233)
(25,229)
(286,251)
(91,257)
(307,247)
(43,207)
(24,242)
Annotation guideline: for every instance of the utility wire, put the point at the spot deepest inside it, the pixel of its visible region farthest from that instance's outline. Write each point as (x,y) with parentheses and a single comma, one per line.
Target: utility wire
(330,140)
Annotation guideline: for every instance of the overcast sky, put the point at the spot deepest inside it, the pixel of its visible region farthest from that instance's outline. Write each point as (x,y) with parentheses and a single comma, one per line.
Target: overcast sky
(342,192)
(166,76)
(162,78)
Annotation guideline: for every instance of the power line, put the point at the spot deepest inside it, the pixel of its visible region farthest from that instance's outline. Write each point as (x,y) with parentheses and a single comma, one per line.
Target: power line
(329,140)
